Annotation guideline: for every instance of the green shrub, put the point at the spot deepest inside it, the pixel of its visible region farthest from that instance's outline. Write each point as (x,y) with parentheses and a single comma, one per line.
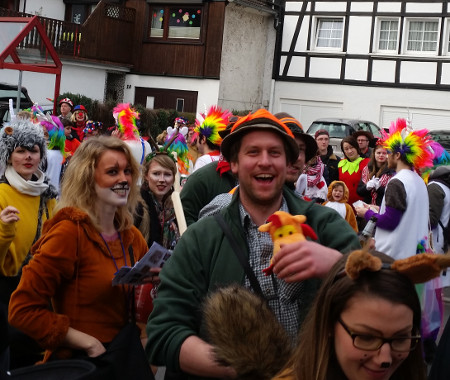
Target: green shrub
(151,122)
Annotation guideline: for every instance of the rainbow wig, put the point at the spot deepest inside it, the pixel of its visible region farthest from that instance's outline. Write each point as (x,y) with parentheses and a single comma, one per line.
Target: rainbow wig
(440,155)
(413,145)
(440,158)
(55,129)
(126,120)
(211,123)
(176,142)
(35,110)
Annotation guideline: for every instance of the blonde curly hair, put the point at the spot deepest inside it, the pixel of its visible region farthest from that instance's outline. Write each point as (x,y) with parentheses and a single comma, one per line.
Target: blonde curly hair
(78,185)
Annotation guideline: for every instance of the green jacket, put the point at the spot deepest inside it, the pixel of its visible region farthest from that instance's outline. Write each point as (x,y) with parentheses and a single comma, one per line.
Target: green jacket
(203,261)
(201,187)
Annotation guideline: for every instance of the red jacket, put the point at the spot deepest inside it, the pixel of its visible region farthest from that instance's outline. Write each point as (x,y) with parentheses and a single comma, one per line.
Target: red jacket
(352,181)
(71,146)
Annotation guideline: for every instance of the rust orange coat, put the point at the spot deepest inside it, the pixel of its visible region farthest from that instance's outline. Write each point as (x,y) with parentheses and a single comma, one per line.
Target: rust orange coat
(72,267)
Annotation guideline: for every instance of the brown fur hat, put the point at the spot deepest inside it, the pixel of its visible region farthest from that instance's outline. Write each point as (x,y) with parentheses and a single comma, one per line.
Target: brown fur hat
(245,333)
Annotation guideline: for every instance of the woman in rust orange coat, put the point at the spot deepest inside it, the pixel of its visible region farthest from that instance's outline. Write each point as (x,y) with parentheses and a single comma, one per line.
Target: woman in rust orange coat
(89,238)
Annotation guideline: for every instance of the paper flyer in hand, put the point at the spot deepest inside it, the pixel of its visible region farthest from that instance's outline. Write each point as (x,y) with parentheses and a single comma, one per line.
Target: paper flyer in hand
(156,256)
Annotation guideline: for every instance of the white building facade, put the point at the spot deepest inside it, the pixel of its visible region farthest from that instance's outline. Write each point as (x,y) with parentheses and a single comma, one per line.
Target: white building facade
(373,60)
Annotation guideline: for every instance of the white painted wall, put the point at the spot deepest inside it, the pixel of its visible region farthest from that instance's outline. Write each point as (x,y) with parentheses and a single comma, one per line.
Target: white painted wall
(337,6)
(389,6)
(208,89)
(359,30)
(84,79)
(90,81)
(247,58)
(39,86)
(50,8)
(307,102)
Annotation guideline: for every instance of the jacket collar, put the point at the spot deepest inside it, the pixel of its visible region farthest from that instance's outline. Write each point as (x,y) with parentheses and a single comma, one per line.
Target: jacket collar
(82,220)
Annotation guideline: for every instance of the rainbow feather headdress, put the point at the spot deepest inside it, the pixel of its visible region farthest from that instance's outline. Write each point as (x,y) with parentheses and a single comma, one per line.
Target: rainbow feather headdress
(440,158)
(176,142)
(413,145)
(211,123)
(54,127)
(440,155)
(126,120)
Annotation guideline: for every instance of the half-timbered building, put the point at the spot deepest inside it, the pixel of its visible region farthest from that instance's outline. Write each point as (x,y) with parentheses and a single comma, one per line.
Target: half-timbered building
(375,60)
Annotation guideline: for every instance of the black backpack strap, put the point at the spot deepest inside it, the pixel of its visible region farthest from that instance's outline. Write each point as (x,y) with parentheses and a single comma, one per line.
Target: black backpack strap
(240,255)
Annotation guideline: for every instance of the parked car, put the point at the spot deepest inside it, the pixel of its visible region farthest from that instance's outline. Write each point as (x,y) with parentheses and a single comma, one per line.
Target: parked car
(442,137)
(8,91)
(340,128)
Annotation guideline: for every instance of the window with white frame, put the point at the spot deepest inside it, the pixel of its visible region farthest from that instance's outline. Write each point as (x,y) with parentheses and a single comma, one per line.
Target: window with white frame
(329,32)
(387,34)
(422,36)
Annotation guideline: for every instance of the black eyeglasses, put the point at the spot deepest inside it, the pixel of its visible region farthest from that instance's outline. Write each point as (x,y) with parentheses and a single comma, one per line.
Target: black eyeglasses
(368,342)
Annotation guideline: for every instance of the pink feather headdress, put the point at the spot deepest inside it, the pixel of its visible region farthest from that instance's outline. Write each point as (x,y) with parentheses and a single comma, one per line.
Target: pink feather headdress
(126,120)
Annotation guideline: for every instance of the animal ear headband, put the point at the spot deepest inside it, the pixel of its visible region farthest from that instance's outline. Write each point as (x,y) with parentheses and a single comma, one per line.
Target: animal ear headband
(418,268)
(156,150)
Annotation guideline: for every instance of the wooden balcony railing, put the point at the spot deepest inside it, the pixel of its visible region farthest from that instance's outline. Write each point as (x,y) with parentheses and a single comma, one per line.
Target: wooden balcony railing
(65,36)
(108,22)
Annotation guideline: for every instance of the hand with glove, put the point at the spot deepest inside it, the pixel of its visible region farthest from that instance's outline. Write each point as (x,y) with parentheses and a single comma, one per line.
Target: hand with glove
(376,183)
(373,183)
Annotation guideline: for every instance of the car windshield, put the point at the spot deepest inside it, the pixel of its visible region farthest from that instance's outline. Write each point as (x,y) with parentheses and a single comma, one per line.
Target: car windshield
(6,94)
(338,130)
(369,127)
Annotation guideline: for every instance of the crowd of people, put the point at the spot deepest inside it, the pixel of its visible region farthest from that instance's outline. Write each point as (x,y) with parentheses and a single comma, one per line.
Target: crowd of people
(79,202)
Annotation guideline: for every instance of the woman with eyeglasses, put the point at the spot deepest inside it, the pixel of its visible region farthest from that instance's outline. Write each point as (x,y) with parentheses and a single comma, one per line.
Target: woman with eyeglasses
(363,329)
(351,167)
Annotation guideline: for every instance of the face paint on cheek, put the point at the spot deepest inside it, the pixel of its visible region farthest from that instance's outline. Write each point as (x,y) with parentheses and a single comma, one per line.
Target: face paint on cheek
(104,180)
(111,197)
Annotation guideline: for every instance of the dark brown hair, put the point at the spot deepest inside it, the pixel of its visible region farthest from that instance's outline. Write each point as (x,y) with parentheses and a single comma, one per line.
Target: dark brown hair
(374,169)
(352,141)
(315,356)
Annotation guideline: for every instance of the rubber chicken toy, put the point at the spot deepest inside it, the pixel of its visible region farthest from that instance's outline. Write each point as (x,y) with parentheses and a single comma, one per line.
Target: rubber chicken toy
(285,228)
